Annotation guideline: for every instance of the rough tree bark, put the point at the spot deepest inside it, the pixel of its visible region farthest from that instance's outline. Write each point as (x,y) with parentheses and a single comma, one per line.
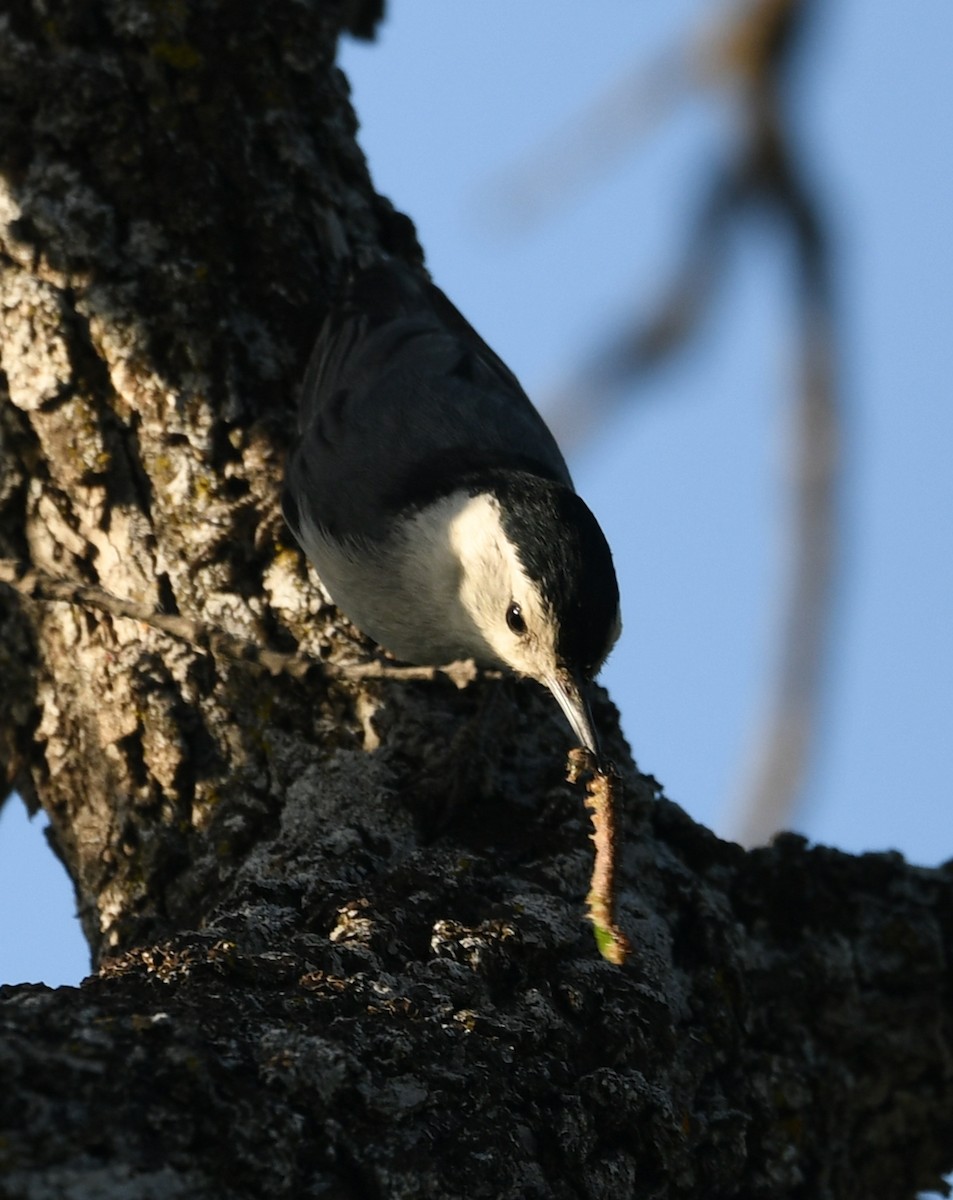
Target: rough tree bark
(337,921)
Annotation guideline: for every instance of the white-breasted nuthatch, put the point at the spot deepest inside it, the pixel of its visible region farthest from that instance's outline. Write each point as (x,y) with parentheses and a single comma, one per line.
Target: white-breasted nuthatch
(434,502)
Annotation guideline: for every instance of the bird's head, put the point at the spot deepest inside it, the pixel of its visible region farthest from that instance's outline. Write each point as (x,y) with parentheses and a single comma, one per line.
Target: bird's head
(537,584)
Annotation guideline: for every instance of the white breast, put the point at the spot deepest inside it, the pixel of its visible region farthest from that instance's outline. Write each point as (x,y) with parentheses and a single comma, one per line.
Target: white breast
(418,593)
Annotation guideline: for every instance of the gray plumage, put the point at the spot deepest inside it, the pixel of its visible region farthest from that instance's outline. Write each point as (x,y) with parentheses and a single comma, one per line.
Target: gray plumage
(395,358)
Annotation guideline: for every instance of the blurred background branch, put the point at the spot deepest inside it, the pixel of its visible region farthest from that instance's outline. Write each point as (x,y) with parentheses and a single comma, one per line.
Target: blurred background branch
(746,60)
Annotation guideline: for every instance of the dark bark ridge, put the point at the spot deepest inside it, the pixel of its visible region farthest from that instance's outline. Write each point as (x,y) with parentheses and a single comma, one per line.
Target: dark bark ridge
(444,1027)
(339,920)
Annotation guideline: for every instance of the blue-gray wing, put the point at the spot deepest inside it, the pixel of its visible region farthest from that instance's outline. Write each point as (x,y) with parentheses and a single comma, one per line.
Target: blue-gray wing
(402,402)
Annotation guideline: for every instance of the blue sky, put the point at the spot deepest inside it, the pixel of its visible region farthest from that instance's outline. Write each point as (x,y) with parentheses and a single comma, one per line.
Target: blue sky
(688,476)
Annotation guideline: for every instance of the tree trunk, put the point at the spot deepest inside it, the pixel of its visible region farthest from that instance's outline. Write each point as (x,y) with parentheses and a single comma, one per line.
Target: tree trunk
(337,917)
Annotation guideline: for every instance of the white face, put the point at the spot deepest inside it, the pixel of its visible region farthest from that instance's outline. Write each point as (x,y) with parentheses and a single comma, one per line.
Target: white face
(508,610)
(497,596)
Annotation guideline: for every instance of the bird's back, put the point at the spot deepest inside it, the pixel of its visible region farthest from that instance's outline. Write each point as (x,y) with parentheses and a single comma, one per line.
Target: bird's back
(402,401)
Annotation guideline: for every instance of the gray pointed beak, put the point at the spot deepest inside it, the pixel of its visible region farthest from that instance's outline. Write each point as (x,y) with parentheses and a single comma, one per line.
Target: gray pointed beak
(575,708)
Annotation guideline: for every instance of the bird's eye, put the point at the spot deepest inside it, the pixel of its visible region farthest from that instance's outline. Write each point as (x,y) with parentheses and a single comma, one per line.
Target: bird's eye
(514,618)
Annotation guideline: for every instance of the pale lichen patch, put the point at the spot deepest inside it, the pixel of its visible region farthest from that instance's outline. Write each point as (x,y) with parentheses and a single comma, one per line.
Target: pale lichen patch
(34,354)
